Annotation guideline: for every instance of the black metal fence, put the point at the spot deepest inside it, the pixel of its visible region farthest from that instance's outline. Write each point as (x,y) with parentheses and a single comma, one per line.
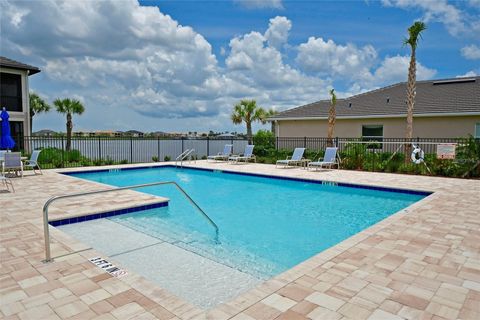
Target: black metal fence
(366,153)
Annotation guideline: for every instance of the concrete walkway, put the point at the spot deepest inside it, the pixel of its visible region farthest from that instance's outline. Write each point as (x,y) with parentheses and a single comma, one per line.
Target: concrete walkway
(420,263)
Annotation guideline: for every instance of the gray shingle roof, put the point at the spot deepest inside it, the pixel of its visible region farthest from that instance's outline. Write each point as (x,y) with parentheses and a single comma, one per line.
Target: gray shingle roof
(9,63)
(458,95)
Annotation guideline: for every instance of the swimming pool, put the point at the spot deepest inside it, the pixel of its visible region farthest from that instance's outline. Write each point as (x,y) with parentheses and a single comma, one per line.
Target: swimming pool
(267,225)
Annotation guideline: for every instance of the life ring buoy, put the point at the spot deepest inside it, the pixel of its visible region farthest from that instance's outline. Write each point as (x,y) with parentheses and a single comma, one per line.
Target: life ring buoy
(417,152)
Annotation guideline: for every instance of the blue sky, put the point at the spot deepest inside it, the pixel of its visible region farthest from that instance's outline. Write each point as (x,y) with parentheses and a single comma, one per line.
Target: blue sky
(182,65)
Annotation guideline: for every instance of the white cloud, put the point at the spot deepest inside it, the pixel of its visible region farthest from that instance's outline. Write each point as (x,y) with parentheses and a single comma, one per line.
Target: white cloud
(470,73)
(134,65)
(329,58)
(260,4)
(455,20)
(254,62)
(277,33)
(474,3)
(395,69)
(471,52)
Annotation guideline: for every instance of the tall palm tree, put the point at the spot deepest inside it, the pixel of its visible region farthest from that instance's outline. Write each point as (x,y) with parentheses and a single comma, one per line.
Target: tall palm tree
(69,107)
(332,114)
(414,35)
(247,111)
(271,113)
(37,105)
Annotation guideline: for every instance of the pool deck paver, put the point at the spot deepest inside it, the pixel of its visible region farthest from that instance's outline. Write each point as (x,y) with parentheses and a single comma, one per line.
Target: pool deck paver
(420,263)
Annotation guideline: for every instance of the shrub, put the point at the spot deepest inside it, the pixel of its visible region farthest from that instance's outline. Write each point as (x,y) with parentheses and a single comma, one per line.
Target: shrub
(167,158)
(124,161)
(155,159)
(109,161)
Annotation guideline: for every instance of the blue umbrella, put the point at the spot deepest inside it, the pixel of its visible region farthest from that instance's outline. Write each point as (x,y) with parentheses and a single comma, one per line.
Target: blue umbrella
(6,141)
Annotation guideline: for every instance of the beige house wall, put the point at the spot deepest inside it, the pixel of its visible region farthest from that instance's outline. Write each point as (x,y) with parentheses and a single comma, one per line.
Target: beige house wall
(424,127)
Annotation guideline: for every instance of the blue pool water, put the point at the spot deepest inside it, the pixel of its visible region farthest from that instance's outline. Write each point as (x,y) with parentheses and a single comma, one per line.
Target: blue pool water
(266,225)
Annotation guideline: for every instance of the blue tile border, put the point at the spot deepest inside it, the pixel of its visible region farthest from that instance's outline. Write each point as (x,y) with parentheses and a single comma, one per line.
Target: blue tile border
(340,184)
(107,214)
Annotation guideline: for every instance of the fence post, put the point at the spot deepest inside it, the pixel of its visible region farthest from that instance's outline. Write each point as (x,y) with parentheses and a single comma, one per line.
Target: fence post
(131,149)
(208,145)
(305,142)
(63,151)
(182,143)
(336,142)
(99,148)
(276,143)
(158,148)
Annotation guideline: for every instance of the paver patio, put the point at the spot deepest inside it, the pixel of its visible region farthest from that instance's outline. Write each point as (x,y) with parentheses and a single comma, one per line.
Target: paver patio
(420,263)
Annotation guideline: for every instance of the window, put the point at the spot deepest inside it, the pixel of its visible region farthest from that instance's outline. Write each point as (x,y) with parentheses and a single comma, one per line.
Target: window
(11,92)
(477,130)
(372,131)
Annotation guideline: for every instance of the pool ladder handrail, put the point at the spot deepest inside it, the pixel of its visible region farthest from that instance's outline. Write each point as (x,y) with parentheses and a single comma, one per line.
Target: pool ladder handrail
(182,156)
(47,204)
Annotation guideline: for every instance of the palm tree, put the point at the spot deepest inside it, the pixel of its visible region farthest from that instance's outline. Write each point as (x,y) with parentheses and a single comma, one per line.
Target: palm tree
(37,105)
(69,107)
(414,35)
(247,111)
(331,117)
(271,113)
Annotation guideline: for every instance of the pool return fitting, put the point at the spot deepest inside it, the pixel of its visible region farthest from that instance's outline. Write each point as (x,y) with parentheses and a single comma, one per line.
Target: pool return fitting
(46,231)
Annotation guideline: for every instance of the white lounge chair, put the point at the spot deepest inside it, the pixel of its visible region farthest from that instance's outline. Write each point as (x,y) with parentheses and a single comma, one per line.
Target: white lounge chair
(328,160)
(227,152)
(294,160)
(12,161)
(245,157)
(2,153)
(7,182)
(33,162)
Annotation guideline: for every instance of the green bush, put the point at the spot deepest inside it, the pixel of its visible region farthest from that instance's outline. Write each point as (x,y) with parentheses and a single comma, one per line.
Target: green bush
(155,159)
(124,161)
(109,161)
(167,158)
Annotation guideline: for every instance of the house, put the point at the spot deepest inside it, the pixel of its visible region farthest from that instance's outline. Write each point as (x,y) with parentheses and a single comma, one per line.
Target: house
(133,133)
(44,133)
(447,108)
(14,94)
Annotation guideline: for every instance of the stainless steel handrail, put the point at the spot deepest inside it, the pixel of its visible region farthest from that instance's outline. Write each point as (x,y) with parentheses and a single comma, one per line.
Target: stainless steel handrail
(46,230)
(184,155)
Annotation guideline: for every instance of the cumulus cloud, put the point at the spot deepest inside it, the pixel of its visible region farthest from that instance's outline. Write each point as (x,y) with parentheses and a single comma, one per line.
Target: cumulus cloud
(255,62)
(138,65)
(101,44)
(329,58)
(260,4)
(277,33)
(471,52)
(470,73)
(455,20)
(394,69)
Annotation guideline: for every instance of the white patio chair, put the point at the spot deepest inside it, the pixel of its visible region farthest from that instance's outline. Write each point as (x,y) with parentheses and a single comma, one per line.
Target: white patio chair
(33,162)
(12,162)
(294,160)
(6,181)
(245,157)
(227,152)
(328,160)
